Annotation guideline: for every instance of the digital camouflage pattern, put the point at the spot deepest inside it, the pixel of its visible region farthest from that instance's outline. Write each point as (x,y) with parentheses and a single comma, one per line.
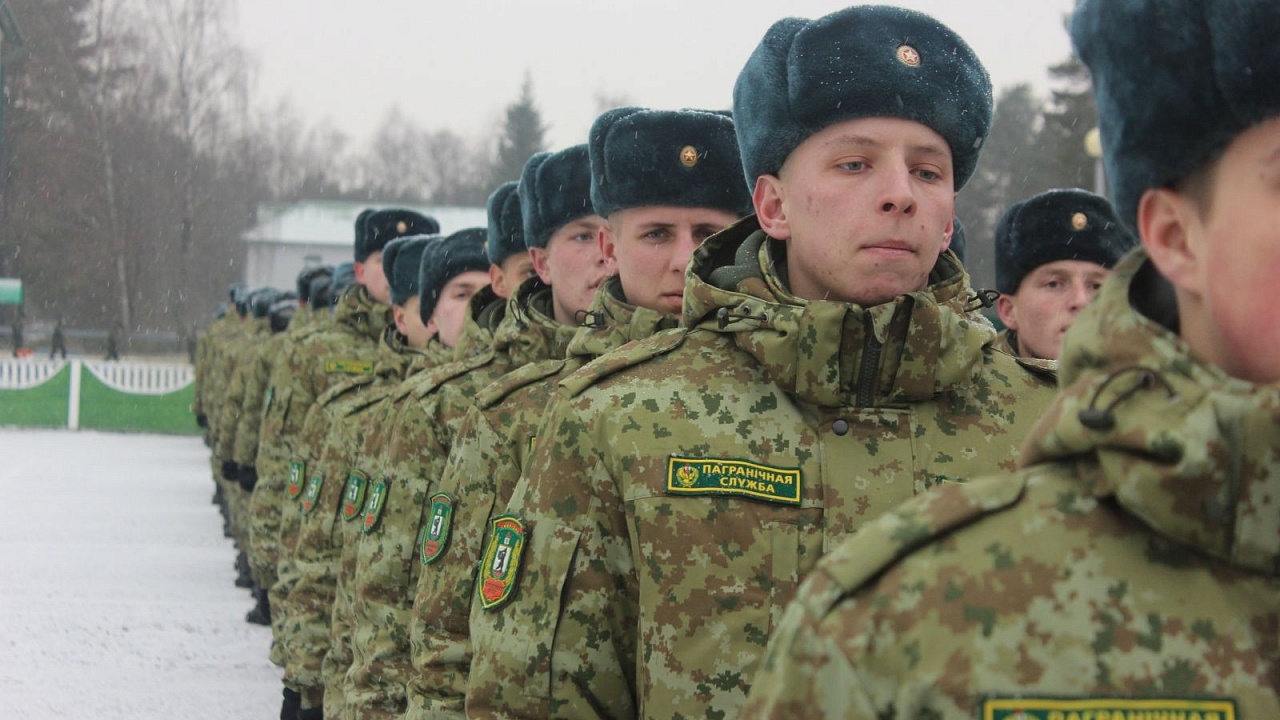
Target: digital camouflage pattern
(270,461)
(682,486)
(475,340)
(410,467)
(1124,568)
(1007,343)
(346,417)
(485,461)
(207,347)
(224,414)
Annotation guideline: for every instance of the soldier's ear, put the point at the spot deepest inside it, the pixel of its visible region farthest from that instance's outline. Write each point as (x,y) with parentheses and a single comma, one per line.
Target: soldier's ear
(1007,310)
(770,201)
(608,247)
(1174,236)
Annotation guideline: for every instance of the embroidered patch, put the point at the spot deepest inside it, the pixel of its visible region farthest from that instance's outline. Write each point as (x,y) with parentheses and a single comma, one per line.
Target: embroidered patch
(312,495)
(500,565)
(1105,708)
(718,476)
(297,471)
(533,442)
(373,505)
(353,495)
(350,367)
(435,536)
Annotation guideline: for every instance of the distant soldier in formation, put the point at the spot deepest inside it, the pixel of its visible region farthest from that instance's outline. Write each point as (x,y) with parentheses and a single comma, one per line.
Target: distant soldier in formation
(18,338)
(1052,253)
(1129,569)
(114,338)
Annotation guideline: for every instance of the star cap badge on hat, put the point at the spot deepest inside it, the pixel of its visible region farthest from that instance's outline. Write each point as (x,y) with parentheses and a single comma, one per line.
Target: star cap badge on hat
(908,56)
(688,156)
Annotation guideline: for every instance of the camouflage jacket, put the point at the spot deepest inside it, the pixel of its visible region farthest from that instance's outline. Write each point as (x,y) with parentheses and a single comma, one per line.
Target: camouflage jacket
(409,471)
(484,464)
(228,383)
(689,481)
(476,339)
(206,348)
(1129,570)
(1007,342)
(340,423)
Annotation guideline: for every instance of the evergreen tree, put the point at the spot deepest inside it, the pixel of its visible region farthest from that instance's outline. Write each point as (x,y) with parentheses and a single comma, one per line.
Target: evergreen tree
(1070,116)
(523,134)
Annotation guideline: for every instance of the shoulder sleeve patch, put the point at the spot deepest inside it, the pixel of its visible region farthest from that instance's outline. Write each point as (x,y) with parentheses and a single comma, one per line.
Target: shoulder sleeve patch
(629,355)
(893,536)
(499,389)
(349,366)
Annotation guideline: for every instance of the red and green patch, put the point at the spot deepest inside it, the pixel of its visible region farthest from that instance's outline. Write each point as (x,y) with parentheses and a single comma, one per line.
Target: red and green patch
(312,495)
(435,536)
(297,471)
(374,503)
(500,567)
(353,495)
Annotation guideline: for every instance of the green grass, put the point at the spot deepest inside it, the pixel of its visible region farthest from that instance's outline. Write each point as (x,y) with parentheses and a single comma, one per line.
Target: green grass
(44,405)
(102,408)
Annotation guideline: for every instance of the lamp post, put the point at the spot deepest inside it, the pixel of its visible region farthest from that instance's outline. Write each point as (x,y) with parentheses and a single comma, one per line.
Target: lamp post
(1093,147)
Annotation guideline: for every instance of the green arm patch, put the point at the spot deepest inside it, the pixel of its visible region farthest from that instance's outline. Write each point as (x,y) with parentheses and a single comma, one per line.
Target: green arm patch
(373,505)
(722,476)
(500,566)
(1106,708)
(297,471)
(435,534)
(349,367)
(353,495)
(312,496)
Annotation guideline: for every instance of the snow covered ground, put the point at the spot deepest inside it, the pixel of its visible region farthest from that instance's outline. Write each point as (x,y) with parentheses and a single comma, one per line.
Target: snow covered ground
(116,595)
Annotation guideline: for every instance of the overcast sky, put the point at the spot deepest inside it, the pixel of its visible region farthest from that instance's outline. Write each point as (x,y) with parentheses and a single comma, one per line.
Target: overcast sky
(458,64)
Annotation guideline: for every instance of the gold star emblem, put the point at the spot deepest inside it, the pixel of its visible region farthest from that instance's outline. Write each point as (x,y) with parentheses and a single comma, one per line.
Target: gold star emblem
(689,156)
(908,56)
(402,227)
(1079,221)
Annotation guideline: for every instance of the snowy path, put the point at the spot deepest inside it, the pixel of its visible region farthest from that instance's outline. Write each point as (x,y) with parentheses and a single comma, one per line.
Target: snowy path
(116,595)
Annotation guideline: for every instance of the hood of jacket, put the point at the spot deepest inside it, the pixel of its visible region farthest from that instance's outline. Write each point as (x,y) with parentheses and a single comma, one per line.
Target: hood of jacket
(529,331)
(363,315)
(835,353)
(1189,450)
(612,322)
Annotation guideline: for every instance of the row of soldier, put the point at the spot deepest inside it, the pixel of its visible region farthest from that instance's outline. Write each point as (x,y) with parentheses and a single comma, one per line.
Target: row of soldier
(578,463)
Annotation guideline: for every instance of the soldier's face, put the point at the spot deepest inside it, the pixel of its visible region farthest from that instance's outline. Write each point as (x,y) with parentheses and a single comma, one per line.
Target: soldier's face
(1047,303)
(1222,254)
(369,274)
(451,310)
(865,207)
(573,265)
(649,248)
(409,322)
(505,278)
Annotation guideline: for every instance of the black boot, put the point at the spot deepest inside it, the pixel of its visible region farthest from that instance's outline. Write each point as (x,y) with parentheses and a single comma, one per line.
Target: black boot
(261,613)
(289,708)
(217,494)
(243,578)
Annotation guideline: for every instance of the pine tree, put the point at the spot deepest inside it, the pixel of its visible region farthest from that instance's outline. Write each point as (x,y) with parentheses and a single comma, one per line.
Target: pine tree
(523,134)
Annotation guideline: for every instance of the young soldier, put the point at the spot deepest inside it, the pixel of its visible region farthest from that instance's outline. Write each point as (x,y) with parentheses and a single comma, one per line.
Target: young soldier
(1130,569)
(1052,253)
(831,367)
(374,599)
(496,437)
(330,353)
(332,427)
(509,260)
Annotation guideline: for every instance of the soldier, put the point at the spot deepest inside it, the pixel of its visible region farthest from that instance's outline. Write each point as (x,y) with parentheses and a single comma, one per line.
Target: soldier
(114,337)
(340,415)
(58,344)
(385,571)
(343,348)
(831,365)
(510,263)
(651,232)
(1052,253)
(1129,569)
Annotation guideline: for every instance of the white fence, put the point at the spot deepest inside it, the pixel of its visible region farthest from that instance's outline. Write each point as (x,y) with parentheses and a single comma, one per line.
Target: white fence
(125,377)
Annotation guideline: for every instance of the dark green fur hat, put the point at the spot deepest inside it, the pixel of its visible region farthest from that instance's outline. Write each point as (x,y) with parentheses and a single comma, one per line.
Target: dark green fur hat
(1175,81)
(555,190)
(684,158)
(863,61)
(506,227)
(308,276)
(344,276)
(445,259)
(401,263)
(383,226)
(1057,225)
